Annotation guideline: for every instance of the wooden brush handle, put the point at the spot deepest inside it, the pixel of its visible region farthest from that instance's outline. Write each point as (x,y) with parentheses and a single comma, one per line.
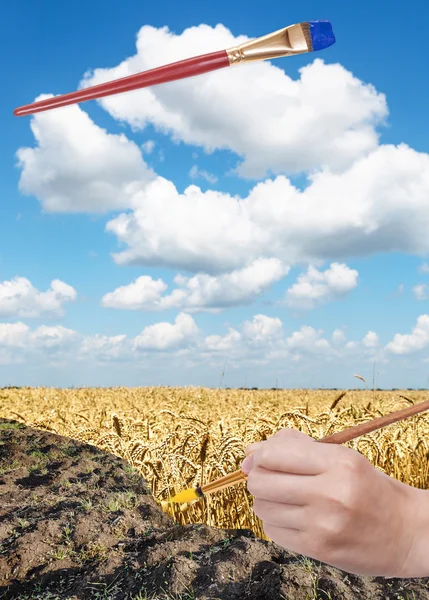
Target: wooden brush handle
(336,438)
(353,432)
(178,70)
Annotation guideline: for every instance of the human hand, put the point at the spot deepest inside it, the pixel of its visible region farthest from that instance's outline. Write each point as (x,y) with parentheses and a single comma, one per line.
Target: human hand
(327,502)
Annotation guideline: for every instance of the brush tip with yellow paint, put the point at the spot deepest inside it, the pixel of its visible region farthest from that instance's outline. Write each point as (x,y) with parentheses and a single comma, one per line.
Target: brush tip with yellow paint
(187,495)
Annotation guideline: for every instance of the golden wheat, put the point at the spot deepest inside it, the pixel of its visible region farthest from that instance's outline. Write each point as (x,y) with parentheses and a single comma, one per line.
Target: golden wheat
(179,438)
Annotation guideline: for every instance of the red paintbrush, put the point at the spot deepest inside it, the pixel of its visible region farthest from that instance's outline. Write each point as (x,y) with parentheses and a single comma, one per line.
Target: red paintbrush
(295,39)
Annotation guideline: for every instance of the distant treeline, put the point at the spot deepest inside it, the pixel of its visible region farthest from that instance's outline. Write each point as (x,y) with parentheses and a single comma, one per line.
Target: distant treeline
(248,389)
(326,389)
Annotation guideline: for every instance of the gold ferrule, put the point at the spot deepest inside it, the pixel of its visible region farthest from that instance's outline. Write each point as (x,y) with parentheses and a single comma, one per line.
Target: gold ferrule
(284,42)
(224,482)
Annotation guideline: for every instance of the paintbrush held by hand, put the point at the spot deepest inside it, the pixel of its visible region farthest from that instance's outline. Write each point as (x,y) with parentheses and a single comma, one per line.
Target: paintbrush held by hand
(309,36)
(337,438)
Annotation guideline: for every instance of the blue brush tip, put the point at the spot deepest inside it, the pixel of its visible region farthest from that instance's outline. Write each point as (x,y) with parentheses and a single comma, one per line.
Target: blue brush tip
(322,35)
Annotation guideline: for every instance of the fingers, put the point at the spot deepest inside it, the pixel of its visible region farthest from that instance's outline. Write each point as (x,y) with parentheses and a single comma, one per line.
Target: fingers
(281,515)
(294,455)
(283,433)
(280,487)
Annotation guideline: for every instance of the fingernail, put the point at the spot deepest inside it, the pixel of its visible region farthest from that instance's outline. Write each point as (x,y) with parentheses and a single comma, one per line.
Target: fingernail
(247,464)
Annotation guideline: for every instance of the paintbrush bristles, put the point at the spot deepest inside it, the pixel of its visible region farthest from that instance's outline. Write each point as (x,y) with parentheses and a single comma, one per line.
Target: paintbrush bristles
(185,496)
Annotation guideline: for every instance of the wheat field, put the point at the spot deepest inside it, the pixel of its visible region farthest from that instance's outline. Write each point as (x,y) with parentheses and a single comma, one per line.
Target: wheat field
(181,437)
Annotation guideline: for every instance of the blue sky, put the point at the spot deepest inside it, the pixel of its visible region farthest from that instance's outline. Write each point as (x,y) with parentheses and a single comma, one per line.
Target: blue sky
(301,247)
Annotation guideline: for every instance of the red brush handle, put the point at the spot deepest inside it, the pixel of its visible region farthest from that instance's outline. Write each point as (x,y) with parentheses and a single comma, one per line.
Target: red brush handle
(178,70)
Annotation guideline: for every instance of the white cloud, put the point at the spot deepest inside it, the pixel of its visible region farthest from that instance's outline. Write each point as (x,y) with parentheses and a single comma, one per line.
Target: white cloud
(148,146)
(421,291)
(371,340)
(309,342)
(19,343)
(308,339)
(165,336)
(45,344)
(276,123)
(229,289)
(222,343)
(411,342)
(77,166)
(262,328)
(105,348)
(13,334)
(338,337)
(381,204)
(144,294)
(318,287)
(19,298)
(196,173)
(199,293)
(52,337)
(182,338)
(263,340)
(424,268)
(261,333)
(260,341)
